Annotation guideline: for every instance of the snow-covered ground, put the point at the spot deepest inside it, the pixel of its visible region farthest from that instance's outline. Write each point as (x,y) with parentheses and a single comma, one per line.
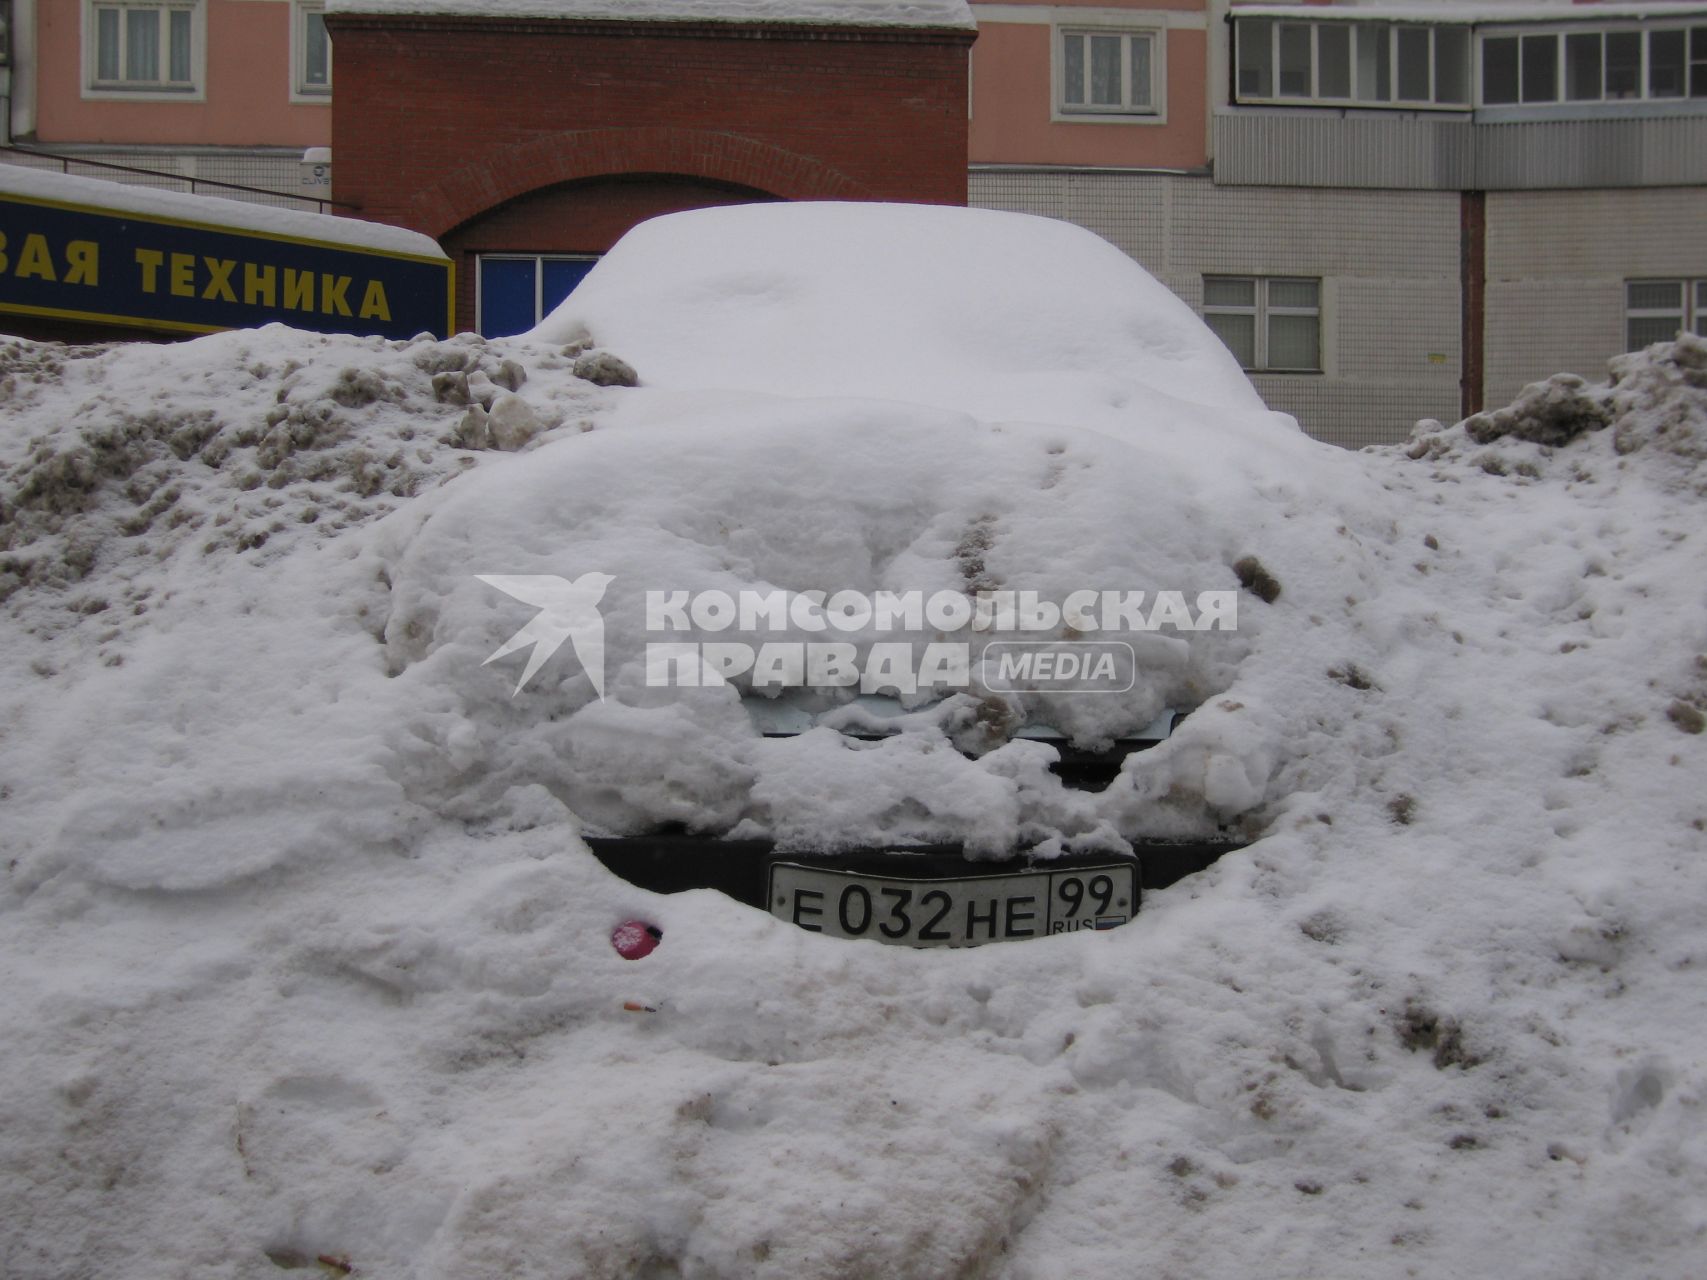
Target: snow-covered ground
(304,966)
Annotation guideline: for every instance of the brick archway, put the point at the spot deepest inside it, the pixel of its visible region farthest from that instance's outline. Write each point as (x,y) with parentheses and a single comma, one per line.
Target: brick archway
(573,219)
(508,173)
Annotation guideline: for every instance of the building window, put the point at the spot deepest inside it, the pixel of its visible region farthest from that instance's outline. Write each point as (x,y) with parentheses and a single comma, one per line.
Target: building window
(1272,324)
(1610,65)
(515,291)
(1106,71)
(142,47)
(1657,310)
(311,50)
(1371,64)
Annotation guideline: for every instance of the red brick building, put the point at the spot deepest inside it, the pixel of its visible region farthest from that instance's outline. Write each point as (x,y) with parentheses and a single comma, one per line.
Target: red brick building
(527,145)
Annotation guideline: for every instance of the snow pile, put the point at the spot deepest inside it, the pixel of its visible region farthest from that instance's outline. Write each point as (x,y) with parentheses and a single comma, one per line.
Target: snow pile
(273,436)
(306,968)
(1651,398)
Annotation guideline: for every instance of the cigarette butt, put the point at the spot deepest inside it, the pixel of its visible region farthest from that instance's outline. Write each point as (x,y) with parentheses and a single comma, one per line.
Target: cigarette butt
(634,1006)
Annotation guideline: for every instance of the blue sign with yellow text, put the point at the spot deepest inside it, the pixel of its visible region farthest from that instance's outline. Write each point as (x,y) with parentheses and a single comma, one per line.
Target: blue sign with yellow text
(78,262)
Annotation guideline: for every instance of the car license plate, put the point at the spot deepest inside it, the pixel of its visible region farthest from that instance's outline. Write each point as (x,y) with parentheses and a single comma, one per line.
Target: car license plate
(964,911)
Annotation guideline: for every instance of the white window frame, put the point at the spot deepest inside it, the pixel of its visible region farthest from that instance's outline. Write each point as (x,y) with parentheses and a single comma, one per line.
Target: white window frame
(1562,63)
(1261,310)
(1692,317)
(300,89)
(145,91)
(1081,23)
(1316,98)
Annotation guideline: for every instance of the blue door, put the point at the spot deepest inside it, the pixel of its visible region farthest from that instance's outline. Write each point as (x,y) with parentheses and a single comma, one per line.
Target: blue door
(517,290)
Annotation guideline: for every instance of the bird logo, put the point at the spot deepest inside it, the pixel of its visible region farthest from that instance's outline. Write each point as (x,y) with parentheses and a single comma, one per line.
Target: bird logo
(567,611)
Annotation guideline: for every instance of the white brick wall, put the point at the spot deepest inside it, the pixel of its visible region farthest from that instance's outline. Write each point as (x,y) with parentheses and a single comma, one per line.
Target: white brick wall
(1557,263)
(1541,327)
(1129,210)
(1388,262)
(1322,231)
(1399,329)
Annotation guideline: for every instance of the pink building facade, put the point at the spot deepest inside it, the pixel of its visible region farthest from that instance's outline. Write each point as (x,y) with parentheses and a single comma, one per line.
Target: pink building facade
(1389,210)
(213,74)
(1091,84)
(235,90)
(203,90)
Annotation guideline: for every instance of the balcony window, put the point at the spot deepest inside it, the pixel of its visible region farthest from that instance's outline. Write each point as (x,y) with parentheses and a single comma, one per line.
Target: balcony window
(1668,64)
(1355,64)
(1256,63)
(1541,68)
(1583,66)
(1623,64)
(1333,47)
(1374,65)
(1296,56)
(1499,71)
(1628,65)
(1413,62)
(1452,65)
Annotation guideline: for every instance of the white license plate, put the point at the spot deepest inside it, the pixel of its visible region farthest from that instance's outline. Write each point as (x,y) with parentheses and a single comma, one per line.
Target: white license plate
(960,912)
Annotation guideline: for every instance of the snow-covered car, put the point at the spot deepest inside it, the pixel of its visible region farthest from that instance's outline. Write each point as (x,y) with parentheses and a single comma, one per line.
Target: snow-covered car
(308,969)
(921,522)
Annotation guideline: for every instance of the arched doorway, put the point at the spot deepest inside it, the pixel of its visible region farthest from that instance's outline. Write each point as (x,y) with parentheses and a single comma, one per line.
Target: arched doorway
(517,261)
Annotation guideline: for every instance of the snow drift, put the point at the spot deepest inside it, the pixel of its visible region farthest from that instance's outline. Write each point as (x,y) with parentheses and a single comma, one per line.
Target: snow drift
(305,965)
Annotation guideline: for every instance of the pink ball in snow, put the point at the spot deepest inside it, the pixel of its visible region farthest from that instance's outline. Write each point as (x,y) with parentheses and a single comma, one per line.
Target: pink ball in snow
(635,938)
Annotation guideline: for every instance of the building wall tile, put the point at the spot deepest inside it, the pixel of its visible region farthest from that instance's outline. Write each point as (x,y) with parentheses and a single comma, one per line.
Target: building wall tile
(1557,263)
(1388,262)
